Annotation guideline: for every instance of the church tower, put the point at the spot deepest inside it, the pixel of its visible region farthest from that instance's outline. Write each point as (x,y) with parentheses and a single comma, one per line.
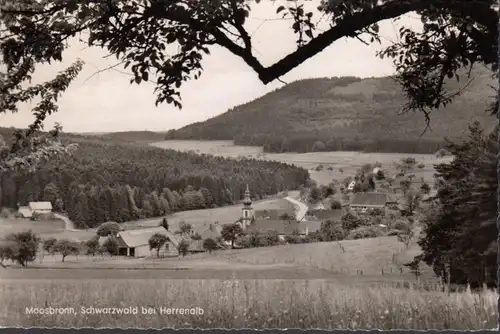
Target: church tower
(247,210)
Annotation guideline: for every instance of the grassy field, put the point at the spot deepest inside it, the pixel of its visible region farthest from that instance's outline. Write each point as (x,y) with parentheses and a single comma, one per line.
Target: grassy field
(237,303)
(342,164)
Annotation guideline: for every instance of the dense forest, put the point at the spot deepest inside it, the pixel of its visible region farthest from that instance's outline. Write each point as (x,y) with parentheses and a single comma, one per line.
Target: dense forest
(345,114)
(112,180)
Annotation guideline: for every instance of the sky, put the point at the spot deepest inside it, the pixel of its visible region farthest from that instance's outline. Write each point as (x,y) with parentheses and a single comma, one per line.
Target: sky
(106,101)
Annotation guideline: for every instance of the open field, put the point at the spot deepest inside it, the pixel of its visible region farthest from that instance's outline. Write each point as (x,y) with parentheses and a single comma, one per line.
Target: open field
(234,303)
(343,164)
(363,260)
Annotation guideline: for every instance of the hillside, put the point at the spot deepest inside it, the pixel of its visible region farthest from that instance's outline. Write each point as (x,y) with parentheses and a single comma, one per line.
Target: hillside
(112,180)
(345,113)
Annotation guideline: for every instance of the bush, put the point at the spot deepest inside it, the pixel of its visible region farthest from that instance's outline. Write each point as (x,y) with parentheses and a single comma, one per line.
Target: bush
(364,232)
(351,221)
(335,205)
(5,213)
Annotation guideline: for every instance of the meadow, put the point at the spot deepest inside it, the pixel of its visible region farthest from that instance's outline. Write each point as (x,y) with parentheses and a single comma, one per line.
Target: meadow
(234,303)
(336,165)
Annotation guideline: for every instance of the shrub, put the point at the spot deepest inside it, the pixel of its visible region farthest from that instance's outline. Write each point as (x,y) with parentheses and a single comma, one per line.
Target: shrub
(331,231)
(209,245)
(379,175)
(351,221)
(5,213)
(18,215)
(364,232)
(335,205)
(183,247)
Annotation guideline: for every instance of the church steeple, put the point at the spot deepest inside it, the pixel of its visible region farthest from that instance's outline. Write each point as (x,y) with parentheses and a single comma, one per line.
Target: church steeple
(247,200)
(246,211)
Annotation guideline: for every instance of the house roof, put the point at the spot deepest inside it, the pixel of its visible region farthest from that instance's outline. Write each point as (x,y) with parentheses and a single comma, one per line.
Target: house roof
(26,211)
(323,215)
(281,226)
(273,214)
(370,198)
(40,205)
(134,238)
(212,231)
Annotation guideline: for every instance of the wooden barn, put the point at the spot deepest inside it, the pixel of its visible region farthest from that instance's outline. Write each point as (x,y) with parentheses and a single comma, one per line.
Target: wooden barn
(135,243)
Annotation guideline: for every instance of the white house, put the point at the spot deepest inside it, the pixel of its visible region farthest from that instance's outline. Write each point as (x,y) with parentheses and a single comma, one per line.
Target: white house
(35,207)
(135,243)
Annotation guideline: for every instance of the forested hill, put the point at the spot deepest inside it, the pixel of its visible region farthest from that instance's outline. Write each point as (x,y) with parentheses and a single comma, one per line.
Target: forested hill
(345,113)
(110,180)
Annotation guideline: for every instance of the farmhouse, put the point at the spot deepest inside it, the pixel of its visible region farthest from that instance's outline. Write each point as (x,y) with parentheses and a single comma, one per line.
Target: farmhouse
(135,243)
(322,215)
(282,227)
(35,207)
(366,202)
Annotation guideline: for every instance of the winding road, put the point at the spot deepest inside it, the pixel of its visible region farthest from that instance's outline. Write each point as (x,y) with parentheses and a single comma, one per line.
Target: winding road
(302,208)
(69,225)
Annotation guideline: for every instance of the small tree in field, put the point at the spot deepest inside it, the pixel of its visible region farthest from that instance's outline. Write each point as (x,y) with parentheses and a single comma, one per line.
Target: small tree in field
(183,247)
(185,228)
(48,245)
(66,247)
(92,246)
(157,241)
(110,246)
(406,233)
(24,247)
(230,232)
(107,229)
(209,245)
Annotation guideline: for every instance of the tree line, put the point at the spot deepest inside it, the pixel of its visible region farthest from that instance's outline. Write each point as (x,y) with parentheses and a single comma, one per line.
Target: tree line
(105,181)
(459,235)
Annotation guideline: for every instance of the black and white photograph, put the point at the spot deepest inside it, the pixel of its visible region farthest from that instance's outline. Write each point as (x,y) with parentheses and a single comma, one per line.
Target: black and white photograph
(249,164)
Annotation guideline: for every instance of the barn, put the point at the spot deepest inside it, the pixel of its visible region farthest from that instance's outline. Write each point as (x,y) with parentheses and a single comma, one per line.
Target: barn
(35,207)
(135,243)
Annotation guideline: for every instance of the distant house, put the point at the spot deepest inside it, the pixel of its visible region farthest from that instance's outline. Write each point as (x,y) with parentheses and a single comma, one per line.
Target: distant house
(351,185)
(135,243)
(40,207)
(322,215)
(366,202)
(312,225)
(282,227)
(25,211)
(35,207)
(272,214)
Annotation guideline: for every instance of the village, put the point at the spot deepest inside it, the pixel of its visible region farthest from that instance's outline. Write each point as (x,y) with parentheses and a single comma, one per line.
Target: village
(366,209)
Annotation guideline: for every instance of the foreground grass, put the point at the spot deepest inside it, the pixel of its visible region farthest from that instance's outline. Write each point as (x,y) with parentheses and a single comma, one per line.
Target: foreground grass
(246,304)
